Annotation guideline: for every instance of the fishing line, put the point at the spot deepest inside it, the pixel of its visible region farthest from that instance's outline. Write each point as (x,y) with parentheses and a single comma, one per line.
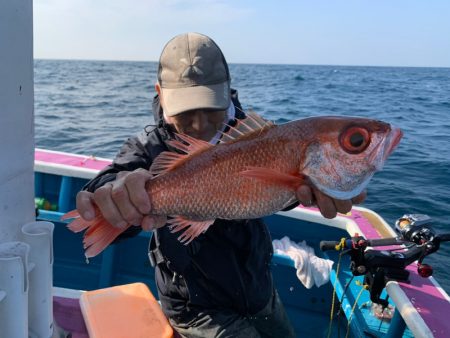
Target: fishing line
(338,247)
(364,287)
(342,299)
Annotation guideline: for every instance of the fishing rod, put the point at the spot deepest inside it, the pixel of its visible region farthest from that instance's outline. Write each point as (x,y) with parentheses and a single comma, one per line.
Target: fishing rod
(416,239)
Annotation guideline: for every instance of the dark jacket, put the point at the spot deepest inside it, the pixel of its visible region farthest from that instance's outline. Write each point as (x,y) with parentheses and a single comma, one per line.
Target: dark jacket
(225,268)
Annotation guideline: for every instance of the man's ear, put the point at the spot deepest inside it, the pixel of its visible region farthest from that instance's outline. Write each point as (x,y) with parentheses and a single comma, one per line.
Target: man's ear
(159,91)
(158,88)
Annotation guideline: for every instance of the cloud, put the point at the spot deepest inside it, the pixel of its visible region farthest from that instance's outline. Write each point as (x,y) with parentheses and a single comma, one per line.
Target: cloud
(116,29)
(292,31)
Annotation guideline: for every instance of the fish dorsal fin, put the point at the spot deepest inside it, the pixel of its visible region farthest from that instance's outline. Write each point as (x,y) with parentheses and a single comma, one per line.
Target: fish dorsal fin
(188,144)
(252,124)
(167,160)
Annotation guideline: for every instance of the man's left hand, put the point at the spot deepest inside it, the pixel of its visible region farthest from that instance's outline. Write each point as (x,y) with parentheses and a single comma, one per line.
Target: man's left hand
(329,207)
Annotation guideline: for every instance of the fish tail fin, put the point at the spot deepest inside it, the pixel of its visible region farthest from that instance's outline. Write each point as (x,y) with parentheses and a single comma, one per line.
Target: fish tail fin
(102,235)
(70,214)
(99,233)
(78,224)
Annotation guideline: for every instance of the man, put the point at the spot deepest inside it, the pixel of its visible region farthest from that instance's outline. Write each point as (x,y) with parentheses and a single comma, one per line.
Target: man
(220,284)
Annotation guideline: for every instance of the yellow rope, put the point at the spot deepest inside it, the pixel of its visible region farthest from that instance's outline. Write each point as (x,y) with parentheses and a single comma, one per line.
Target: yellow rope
(338,247)
(364,287)
(341,245)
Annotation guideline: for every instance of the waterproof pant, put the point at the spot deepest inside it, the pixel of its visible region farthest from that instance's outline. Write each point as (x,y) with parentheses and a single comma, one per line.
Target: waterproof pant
(271,321)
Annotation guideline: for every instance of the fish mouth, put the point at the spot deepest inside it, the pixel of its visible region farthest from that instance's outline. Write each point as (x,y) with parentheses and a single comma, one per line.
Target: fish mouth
(394,136)
(385,148)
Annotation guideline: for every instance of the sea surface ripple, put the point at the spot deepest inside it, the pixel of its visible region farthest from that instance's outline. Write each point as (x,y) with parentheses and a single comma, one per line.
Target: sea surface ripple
(91,107)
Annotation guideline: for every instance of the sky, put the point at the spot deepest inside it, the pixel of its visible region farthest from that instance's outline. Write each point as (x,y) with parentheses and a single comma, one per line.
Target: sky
(332,32)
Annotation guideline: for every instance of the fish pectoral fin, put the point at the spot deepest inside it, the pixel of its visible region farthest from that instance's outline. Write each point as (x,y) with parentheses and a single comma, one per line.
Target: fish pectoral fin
(192,228)
(273,176)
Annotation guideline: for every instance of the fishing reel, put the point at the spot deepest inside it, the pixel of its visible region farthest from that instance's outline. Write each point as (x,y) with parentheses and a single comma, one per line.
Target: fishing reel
(415,228)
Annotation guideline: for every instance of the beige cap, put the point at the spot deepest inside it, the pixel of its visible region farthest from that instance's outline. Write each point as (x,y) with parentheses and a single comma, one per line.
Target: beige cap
(193,74)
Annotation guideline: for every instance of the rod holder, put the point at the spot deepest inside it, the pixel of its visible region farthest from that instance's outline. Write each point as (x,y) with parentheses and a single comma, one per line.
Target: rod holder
(14,289)
(39,236)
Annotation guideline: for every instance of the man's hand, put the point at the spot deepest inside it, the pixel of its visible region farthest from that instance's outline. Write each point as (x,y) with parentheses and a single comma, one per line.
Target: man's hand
(328,206)
(121,202)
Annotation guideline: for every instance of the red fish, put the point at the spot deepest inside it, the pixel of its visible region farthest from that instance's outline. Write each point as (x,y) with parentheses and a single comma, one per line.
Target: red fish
(254,172)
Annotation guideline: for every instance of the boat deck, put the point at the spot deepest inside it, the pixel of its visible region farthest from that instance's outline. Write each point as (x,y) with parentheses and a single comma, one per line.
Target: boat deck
(422,304)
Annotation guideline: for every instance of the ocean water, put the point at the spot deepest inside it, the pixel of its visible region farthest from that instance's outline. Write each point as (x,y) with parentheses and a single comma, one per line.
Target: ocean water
(91,107)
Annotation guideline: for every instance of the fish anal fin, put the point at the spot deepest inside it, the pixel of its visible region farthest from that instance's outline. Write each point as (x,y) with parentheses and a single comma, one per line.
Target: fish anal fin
(167,160)
(192,229)
(252,125)
(274,176)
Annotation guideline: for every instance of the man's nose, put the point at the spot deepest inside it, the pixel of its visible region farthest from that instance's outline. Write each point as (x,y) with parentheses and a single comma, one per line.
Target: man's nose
(199,120)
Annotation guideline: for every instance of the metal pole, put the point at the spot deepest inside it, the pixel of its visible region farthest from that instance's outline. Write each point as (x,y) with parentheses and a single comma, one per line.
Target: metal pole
(16,162)
(16,117)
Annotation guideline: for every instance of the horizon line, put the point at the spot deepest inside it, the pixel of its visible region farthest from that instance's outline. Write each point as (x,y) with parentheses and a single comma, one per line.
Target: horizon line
(250,63)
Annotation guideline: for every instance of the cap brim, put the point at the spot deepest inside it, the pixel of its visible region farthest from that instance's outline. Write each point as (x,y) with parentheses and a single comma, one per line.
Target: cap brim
(179,100)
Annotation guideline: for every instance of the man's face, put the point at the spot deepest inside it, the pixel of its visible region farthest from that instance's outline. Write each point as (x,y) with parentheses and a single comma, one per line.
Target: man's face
(201,124)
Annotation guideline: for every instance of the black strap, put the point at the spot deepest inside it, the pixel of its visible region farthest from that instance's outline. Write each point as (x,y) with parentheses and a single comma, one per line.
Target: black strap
(164,248)
(155,255)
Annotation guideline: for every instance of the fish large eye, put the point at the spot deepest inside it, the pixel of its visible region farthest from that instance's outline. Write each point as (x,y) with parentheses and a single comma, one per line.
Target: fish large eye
(355,140)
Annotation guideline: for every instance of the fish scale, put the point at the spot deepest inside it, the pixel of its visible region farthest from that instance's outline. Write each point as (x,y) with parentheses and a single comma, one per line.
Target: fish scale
(192,198)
